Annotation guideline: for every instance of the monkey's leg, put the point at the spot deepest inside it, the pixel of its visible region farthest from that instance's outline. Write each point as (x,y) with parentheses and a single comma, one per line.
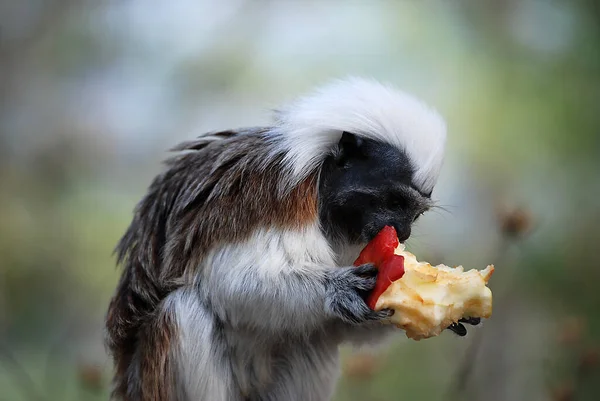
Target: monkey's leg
(148,372)
(204,372)
(307,371)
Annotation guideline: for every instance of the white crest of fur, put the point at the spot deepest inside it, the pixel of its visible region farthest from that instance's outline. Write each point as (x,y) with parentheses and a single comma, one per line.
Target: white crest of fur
(309,128)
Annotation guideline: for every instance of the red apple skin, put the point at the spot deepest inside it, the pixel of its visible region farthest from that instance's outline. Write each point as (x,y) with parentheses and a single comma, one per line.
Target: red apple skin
(379,248)
(380,252)
(390,270)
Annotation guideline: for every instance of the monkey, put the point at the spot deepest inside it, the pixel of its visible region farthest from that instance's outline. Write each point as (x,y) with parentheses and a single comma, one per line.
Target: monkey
(237,280)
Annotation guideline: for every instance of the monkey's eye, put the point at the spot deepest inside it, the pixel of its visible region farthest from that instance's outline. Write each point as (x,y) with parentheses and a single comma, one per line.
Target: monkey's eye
(418,215)
(398,202)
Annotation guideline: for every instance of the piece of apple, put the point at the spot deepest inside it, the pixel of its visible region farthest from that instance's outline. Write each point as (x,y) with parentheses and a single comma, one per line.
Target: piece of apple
(428,299)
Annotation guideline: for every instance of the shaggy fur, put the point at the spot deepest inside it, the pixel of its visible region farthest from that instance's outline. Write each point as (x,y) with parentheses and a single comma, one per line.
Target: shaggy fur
(231,288)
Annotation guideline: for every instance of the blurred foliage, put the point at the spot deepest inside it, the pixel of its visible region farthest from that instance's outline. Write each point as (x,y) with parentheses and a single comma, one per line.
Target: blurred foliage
(93,92)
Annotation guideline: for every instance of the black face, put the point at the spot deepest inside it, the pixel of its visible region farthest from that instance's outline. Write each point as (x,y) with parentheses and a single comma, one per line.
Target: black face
(364,186)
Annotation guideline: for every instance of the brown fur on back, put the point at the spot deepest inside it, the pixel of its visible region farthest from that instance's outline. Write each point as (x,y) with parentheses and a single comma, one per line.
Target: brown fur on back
(220,190)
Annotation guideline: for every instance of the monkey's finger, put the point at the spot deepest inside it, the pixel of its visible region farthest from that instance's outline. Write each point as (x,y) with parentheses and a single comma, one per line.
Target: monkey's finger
(382,314)
(473,321)
(387,312)
(366,270)
(365,284)
(458,329)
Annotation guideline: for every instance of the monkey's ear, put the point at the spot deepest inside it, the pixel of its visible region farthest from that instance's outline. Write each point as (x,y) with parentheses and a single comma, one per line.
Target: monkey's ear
(350,146)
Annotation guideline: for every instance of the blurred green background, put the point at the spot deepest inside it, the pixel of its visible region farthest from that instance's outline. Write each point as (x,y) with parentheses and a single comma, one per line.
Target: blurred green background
(92,93)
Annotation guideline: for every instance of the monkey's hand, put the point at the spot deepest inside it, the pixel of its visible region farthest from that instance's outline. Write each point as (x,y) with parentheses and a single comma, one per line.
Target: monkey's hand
(346,290)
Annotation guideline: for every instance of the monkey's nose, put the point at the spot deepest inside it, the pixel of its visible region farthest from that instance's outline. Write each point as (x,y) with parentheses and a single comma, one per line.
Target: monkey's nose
(404,235)
(402,232)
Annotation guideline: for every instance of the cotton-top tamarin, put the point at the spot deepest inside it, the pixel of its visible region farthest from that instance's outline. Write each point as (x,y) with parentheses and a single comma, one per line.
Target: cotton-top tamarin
(237,282)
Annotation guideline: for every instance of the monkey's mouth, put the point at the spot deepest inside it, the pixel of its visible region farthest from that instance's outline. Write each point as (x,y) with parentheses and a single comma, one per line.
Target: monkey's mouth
(369,232)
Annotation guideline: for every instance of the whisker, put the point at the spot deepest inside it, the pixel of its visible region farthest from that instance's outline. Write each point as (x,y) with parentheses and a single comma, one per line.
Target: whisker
(444,208)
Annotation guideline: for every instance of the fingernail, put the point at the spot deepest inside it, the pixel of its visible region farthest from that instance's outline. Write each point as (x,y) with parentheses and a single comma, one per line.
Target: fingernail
(458,329)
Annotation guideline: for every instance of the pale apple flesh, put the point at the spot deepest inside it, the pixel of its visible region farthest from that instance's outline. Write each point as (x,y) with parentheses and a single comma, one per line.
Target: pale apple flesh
(428,299)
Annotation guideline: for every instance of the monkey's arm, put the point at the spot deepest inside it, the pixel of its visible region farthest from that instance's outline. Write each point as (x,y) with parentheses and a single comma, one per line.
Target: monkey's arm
(294,299)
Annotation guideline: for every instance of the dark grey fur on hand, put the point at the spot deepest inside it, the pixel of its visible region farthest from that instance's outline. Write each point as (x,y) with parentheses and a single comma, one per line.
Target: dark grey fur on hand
(346,291)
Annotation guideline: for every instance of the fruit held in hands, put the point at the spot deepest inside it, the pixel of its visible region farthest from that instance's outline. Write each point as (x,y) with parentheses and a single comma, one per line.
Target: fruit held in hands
(428,299)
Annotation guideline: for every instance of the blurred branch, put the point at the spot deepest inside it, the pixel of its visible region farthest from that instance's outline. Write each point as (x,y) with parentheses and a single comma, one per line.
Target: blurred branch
(459,385)
(514,225)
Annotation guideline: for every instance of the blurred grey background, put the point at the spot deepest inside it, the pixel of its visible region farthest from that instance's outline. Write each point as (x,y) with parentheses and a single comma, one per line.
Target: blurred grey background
(93,93)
